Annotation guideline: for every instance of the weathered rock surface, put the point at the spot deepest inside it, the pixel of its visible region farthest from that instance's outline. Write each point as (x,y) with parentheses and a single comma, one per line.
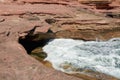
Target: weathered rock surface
(15,64)
(39,20)
(99,4)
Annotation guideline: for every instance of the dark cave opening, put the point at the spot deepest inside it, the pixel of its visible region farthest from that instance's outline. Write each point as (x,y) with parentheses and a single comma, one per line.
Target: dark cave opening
(32,41)
(33,47)
(29,45)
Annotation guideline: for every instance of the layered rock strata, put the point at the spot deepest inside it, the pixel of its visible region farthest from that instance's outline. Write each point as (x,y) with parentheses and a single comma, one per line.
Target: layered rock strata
(36,20)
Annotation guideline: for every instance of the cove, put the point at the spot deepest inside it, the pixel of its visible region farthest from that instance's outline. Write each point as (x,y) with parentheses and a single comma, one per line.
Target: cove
(76,56)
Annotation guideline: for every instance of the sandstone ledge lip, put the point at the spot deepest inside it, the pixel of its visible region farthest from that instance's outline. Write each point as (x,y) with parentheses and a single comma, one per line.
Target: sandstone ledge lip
(35,9)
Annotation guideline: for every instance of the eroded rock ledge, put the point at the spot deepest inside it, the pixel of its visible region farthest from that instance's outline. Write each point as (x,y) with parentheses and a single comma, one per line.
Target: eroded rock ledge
(40,20)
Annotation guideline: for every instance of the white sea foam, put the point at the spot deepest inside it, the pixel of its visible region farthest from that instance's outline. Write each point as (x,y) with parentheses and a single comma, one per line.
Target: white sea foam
(103,56)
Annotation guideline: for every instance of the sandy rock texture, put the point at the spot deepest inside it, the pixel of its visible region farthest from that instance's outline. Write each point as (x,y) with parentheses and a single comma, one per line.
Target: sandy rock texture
(44,19)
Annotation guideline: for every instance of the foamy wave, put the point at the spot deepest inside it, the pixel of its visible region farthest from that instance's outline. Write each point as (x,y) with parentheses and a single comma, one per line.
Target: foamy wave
(70,55)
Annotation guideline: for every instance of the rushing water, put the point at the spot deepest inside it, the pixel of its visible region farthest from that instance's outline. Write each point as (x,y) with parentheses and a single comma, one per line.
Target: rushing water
(70,55)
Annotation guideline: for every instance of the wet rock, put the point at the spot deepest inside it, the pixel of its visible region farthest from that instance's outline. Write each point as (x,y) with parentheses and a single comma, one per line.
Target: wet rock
(39,53)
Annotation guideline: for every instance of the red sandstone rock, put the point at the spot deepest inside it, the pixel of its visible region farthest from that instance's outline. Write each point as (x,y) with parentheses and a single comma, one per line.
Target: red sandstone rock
(15,64)
(6,1)
(14,9)
(62,2)
(71,21)
(100,4)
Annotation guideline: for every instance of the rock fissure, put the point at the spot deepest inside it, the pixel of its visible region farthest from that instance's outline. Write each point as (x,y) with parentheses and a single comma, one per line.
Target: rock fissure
(31,41)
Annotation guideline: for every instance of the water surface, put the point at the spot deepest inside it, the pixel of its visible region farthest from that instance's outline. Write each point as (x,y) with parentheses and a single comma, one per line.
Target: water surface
(74,56)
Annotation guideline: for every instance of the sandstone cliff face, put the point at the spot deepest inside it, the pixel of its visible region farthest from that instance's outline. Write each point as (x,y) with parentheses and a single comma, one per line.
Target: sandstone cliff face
(37,20)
